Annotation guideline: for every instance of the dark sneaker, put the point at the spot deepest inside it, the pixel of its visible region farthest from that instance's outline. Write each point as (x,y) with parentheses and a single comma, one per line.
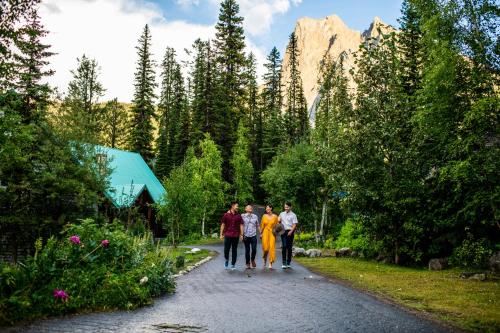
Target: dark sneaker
(248,266)
(226,265)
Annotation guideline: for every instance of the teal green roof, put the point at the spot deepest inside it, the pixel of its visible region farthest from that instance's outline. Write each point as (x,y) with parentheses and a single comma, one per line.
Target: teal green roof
(130,176)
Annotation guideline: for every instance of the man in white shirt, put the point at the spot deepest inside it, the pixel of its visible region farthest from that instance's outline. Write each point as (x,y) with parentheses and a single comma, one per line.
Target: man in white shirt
(289,221)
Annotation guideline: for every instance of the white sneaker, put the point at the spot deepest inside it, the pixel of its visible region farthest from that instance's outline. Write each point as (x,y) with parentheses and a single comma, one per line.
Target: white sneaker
(284,266)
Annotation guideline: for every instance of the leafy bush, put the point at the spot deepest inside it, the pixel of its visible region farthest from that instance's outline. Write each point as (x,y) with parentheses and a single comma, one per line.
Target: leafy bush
(471,253)
(91,267)
(353,237)
(306,240)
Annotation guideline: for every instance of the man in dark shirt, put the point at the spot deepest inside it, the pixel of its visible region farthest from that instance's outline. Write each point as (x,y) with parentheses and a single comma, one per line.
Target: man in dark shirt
(231,231)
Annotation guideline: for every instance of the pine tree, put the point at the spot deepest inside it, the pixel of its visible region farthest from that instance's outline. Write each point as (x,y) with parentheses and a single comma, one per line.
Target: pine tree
(115,124)
(229,48)
(13,17)
(181,138)
(80,115)
(30,67)
(167,121)
(242,166)
(143,109)
(296,115)
(271,106)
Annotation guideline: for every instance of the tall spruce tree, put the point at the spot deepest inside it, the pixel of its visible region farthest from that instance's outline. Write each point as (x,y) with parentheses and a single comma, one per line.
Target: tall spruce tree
(296,114)
(167,122)
(181,138)
(229,47)
(271,105)
(80,115)
(31,62)
(143,109)
(205,118)
(115,124)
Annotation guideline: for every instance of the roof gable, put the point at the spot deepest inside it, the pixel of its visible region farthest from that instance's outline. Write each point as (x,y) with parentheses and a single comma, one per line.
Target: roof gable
(130,176)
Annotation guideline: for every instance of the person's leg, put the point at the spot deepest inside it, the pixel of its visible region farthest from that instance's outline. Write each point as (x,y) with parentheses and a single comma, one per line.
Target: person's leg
(283,248)
(246,241)
(289,248)
(234,250)
(227,245)
(253,243)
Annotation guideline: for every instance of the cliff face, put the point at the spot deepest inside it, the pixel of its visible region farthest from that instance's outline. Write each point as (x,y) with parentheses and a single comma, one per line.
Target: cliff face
(328,36)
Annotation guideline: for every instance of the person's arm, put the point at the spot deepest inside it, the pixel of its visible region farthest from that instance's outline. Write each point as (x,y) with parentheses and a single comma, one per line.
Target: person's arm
(241,230)
(261,226)
(294,226)
(222,226)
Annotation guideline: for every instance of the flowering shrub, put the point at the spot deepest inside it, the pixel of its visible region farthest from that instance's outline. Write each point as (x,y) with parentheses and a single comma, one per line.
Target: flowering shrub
(92,267)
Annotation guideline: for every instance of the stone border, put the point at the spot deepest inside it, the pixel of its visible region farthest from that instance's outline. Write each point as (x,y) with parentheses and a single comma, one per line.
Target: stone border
(191,267)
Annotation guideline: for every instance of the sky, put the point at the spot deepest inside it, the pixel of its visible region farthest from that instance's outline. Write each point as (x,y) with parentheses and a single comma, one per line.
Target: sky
(108,30)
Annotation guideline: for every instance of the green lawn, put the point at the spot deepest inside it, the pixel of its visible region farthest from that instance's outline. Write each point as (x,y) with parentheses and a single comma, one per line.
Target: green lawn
(189,258)
(468,304)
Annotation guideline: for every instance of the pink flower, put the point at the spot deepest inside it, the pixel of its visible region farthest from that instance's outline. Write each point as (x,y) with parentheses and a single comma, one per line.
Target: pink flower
(105,243)
(60,294)
(75,239)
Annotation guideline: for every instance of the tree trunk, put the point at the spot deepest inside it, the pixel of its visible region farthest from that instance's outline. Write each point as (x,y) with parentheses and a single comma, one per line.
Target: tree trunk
(323,218)
(203,222)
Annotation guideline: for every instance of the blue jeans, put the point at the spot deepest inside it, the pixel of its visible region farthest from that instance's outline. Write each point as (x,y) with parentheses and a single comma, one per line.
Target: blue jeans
(250,241)
(286,247)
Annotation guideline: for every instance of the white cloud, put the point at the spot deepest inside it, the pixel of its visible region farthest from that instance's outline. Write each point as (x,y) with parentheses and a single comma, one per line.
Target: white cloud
(108,30)
(258,14)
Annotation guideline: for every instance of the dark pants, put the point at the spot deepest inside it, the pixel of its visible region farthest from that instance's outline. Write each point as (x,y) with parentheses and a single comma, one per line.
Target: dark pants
(250,241)
(231,243)
(286,247)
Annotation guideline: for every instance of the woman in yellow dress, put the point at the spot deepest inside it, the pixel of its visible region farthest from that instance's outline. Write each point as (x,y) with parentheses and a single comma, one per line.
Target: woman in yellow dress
(269,220)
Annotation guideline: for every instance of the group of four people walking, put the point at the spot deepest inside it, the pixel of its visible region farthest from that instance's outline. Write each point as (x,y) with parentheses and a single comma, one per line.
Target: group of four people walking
(246,227)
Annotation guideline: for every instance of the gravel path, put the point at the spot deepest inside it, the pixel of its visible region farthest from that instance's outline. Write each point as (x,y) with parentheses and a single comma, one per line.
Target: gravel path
(210,299)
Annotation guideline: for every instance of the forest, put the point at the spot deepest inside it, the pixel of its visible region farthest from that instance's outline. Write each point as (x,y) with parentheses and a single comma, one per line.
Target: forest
(403,168)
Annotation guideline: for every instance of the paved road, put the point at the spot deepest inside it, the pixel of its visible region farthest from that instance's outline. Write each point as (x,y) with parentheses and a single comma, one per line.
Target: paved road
(210,299)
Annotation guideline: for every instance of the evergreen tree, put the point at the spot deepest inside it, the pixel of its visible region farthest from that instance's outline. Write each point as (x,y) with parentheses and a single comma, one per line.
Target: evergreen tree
(271,106)
(13,17)
(167,121)
(30,67)
(143,109)
(205,118)
(253,120)
(242,166)
(229,47)
(80,115)
(115,124)
(181,137)
(296,115)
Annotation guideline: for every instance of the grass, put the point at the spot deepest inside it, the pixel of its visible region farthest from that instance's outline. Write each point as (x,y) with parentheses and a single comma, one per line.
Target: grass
(202,241)
(189,258)
(467,304)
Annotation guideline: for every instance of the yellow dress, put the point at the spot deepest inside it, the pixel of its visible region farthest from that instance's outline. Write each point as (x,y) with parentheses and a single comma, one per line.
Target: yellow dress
(268,239)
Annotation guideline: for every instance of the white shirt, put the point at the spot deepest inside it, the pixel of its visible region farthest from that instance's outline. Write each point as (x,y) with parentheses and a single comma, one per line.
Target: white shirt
(288,219)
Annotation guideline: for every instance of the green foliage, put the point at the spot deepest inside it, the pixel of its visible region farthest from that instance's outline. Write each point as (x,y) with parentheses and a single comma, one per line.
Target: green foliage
(194,192)
(115,124)
(242,166)
(293,177)
(124,273)
(143,110)
(352,236)
(229,44)
(296,117)
(471,253)
(80,117)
